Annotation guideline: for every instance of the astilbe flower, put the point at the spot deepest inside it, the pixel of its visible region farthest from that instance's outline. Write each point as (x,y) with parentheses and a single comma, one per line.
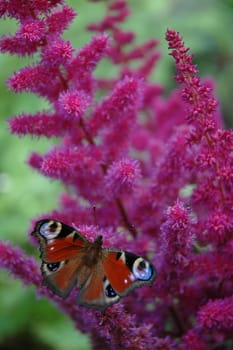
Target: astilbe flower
(158,170)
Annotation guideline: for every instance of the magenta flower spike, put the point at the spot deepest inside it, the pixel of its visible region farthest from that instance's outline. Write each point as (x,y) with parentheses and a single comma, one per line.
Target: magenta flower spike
(157,171)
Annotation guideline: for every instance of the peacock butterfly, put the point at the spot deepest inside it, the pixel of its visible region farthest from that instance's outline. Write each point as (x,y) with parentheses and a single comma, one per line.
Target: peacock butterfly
(102,275)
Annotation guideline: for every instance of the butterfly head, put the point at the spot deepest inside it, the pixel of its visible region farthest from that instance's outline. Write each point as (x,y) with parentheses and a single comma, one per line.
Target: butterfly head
(99,241)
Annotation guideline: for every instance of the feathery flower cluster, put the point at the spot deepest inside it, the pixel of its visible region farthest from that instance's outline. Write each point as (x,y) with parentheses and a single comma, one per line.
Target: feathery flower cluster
(157,169)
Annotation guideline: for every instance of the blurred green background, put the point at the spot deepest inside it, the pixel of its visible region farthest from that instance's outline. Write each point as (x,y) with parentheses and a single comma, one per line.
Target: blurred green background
(207,27)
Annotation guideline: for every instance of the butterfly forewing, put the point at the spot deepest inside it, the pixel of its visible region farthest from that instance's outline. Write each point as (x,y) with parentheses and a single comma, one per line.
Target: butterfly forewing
(62,250)
(126,271)
(58,241)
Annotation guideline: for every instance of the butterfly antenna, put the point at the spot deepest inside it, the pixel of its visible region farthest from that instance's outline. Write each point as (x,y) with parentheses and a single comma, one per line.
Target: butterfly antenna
(94,215)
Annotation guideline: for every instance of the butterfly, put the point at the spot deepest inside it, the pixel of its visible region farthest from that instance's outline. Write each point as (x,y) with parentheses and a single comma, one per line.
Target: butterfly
(102,275)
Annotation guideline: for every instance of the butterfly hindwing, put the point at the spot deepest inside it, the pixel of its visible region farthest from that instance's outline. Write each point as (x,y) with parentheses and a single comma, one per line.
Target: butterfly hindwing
(61,276)
(97,292)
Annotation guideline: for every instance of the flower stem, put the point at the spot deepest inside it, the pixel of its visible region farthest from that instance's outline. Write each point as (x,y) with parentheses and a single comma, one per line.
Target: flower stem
(131,228)
(127,224)
(177,319)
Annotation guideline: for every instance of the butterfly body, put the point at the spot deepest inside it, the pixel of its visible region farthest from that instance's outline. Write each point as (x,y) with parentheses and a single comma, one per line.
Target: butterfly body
(102,275)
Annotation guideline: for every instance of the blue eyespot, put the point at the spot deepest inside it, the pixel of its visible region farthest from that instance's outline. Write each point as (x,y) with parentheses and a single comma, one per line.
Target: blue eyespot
(142,269)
